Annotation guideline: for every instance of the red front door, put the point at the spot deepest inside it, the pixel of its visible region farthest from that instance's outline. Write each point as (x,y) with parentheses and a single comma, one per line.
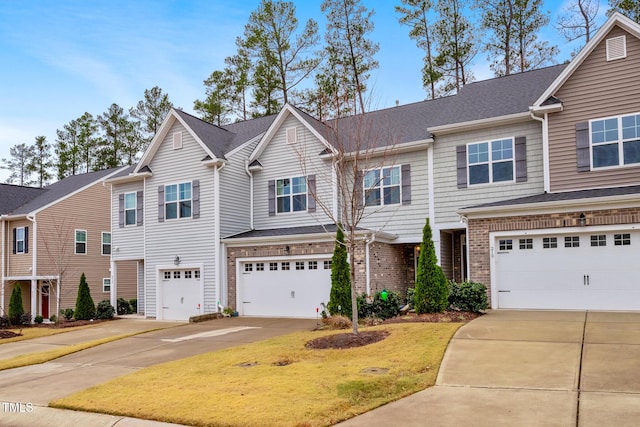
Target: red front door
(45,301)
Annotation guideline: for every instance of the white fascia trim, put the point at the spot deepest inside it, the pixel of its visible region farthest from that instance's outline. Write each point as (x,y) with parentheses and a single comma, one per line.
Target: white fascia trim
(214,163)
(302,238)
(551,108)
(449,226)
(615,19)
(132,177)
(23,278)
(395,149)
(478,124)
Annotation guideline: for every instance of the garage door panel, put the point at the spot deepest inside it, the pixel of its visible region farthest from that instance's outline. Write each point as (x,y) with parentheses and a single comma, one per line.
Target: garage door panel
(180,295)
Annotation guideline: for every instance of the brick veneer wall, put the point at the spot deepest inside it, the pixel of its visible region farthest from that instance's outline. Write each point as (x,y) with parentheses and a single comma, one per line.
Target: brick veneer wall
(479,229)
(392,267)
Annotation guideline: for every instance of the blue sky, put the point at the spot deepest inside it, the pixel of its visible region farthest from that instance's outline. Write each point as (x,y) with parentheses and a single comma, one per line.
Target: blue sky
(60,59)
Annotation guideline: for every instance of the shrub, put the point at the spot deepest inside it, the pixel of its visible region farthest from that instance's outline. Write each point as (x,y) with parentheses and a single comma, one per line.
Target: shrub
(16,309)
(340,295)
(337,322)
(25,319)
(53,318)
(85,308)
(411,292)
(38,319)
(104,310)
(378,307)
(67,313)
(123,306)
(4,321)
(133,305)
(432,292)
(467,296)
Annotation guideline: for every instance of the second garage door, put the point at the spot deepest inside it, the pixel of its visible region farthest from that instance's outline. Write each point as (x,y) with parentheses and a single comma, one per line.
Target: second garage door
(594,271)
(292,288)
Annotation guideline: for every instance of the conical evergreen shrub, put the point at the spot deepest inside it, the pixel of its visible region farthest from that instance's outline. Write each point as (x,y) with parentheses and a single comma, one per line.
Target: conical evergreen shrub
(85,308)
(432,290)
(340,295)
(16,309)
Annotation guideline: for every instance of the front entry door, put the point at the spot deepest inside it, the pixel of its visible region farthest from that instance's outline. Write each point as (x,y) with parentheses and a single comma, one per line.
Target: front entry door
(44,309)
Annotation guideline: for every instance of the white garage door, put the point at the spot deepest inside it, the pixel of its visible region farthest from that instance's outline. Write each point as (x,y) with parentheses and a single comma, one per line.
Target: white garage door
(292,288)
(594,270)
(180,294)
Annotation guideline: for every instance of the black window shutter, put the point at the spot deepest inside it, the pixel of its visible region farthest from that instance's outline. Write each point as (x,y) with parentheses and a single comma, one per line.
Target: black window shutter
(461,161)
(14,241)
(139,207)
(121,210)
(582,147)
(406,184)
(311,193)
(359,190)
(272,197)
(26,240)
(521,158)
(195,188)
(161,203)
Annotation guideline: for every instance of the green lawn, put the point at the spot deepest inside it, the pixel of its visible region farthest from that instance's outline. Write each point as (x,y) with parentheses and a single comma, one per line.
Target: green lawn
(277,382)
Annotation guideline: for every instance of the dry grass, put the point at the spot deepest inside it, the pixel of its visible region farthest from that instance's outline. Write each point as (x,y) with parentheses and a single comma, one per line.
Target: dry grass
(34,332)
(276,382)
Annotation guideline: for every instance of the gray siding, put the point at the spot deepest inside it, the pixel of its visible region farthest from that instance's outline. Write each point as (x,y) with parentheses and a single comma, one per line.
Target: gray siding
(191,239)
(448,198)
(282,160)
(597,89)
(127,243)
(235,194)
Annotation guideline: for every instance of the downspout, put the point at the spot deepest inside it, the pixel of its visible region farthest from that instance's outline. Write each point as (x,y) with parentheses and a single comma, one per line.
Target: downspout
(248,172)
(545,149)
(34,268)
(3,252)
(216,228)
(432,196)
(369,242)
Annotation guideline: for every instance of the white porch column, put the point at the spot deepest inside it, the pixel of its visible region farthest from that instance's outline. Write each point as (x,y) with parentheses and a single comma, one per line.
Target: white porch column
(34,298)
(114,284)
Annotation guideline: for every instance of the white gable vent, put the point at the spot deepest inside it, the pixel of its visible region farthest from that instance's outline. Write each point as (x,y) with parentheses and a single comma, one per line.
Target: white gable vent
(177,140)
(616,48)
(292,135)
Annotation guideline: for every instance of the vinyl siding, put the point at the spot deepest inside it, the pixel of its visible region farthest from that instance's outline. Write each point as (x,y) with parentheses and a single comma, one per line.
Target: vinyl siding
(191,239)
(404,220)
(127,242)
(18,264)
(235,212)
(596,89)
(127,280)
(141,270)
(281,160)
(449,198)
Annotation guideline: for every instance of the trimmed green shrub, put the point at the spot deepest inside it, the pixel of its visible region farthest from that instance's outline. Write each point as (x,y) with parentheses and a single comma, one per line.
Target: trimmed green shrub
(123,306)
(104,310)
(378,307)
(340,295)
(133,306)
(85,308)
(25,319)
(16,309)
(67,313)
(467,296)
(432,292)
(4,321)
(53,318)
(38,319)
(411,297)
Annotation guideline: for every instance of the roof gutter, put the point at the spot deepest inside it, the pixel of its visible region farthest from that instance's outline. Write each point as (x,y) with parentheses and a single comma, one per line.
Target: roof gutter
(132,177)
(34,264)
(395,148)
(3,252)
(477,124)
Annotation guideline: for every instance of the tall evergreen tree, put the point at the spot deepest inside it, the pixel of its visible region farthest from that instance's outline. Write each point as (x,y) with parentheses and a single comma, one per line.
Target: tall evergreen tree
(85,307)
(114,125)
(531,52)
(41,162)
(498,18)
(350,52)
(88,141)
(67,150)
(18,164)
(629,8)
(150,112)
(265,99)
(432,291)
(238,67)
(340,295)
(217,105)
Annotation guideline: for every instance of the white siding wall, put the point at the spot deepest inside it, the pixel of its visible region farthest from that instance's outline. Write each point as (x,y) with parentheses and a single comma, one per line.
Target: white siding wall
(127,243)
(282,160)
(191,239)
(449,198)
(235,213)
(407,220)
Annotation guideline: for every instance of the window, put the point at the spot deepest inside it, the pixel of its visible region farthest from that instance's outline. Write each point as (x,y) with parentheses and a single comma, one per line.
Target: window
(313,265)
(490,161)
(622,239)
(188,274)
(599,240)
(273,266)
(81,242)
(505,245)
(549,242)
(615,141)
(167,275)
(382,186)
(20,240)
(291,195)
(130,205)
(177,200)
(106,243)
(248,268)
(572,242)
(327,265)
(260,266)
(299,265)
(284,265)
(106,285)
(196,274)
(526,243)
(176,274)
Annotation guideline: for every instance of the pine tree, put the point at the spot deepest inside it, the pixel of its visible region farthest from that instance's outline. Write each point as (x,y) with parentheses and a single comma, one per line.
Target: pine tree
(340,296)
(16,309)
(432,291)
(85,308)
(150,112)
(18,164)
(629,8)
(41,162)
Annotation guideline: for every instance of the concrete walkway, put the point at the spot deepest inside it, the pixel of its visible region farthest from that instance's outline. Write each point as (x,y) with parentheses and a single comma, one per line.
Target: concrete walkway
(530,368)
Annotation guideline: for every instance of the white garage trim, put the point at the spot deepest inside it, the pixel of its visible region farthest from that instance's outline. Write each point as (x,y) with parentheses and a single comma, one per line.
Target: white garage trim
(495,236)
(159,284)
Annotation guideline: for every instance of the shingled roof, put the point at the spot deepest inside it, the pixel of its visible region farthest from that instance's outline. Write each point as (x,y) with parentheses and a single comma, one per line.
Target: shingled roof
(14,196)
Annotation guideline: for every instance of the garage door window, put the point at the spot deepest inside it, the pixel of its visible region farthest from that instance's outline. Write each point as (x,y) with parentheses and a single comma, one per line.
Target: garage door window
(327,265)
(285,265)
(273,266)
(260,266)
(599,240)
(196,274)
(188,274)
(526,243)
(313,265)
(299,265)
(176,275)
(167,275)
(622,239)
(572,242)
(248,268)
(505,245)
(549,242)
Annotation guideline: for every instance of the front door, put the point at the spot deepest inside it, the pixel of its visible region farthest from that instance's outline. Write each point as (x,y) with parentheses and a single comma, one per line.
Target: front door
(44,293)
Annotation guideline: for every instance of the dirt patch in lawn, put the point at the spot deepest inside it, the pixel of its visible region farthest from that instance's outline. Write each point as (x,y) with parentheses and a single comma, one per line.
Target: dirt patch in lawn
(348,340)
(447,316)
(8,334)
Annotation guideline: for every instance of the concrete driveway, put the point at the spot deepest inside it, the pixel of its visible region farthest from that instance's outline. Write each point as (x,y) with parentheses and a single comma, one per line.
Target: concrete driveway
(530,368)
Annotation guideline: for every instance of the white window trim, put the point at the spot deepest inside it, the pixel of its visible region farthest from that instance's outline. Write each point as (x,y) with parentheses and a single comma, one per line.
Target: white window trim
(490,162)
(75,242)
(104,280)
(23,240)
(177,140)
(620,143)
(292,134)
(381,186)
(102,243)
(290,195)
(135,209)
(177,201)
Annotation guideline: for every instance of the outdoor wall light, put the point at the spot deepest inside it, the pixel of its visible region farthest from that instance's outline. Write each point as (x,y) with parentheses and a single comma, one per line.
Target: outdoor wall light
(176,260)
(582,220)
